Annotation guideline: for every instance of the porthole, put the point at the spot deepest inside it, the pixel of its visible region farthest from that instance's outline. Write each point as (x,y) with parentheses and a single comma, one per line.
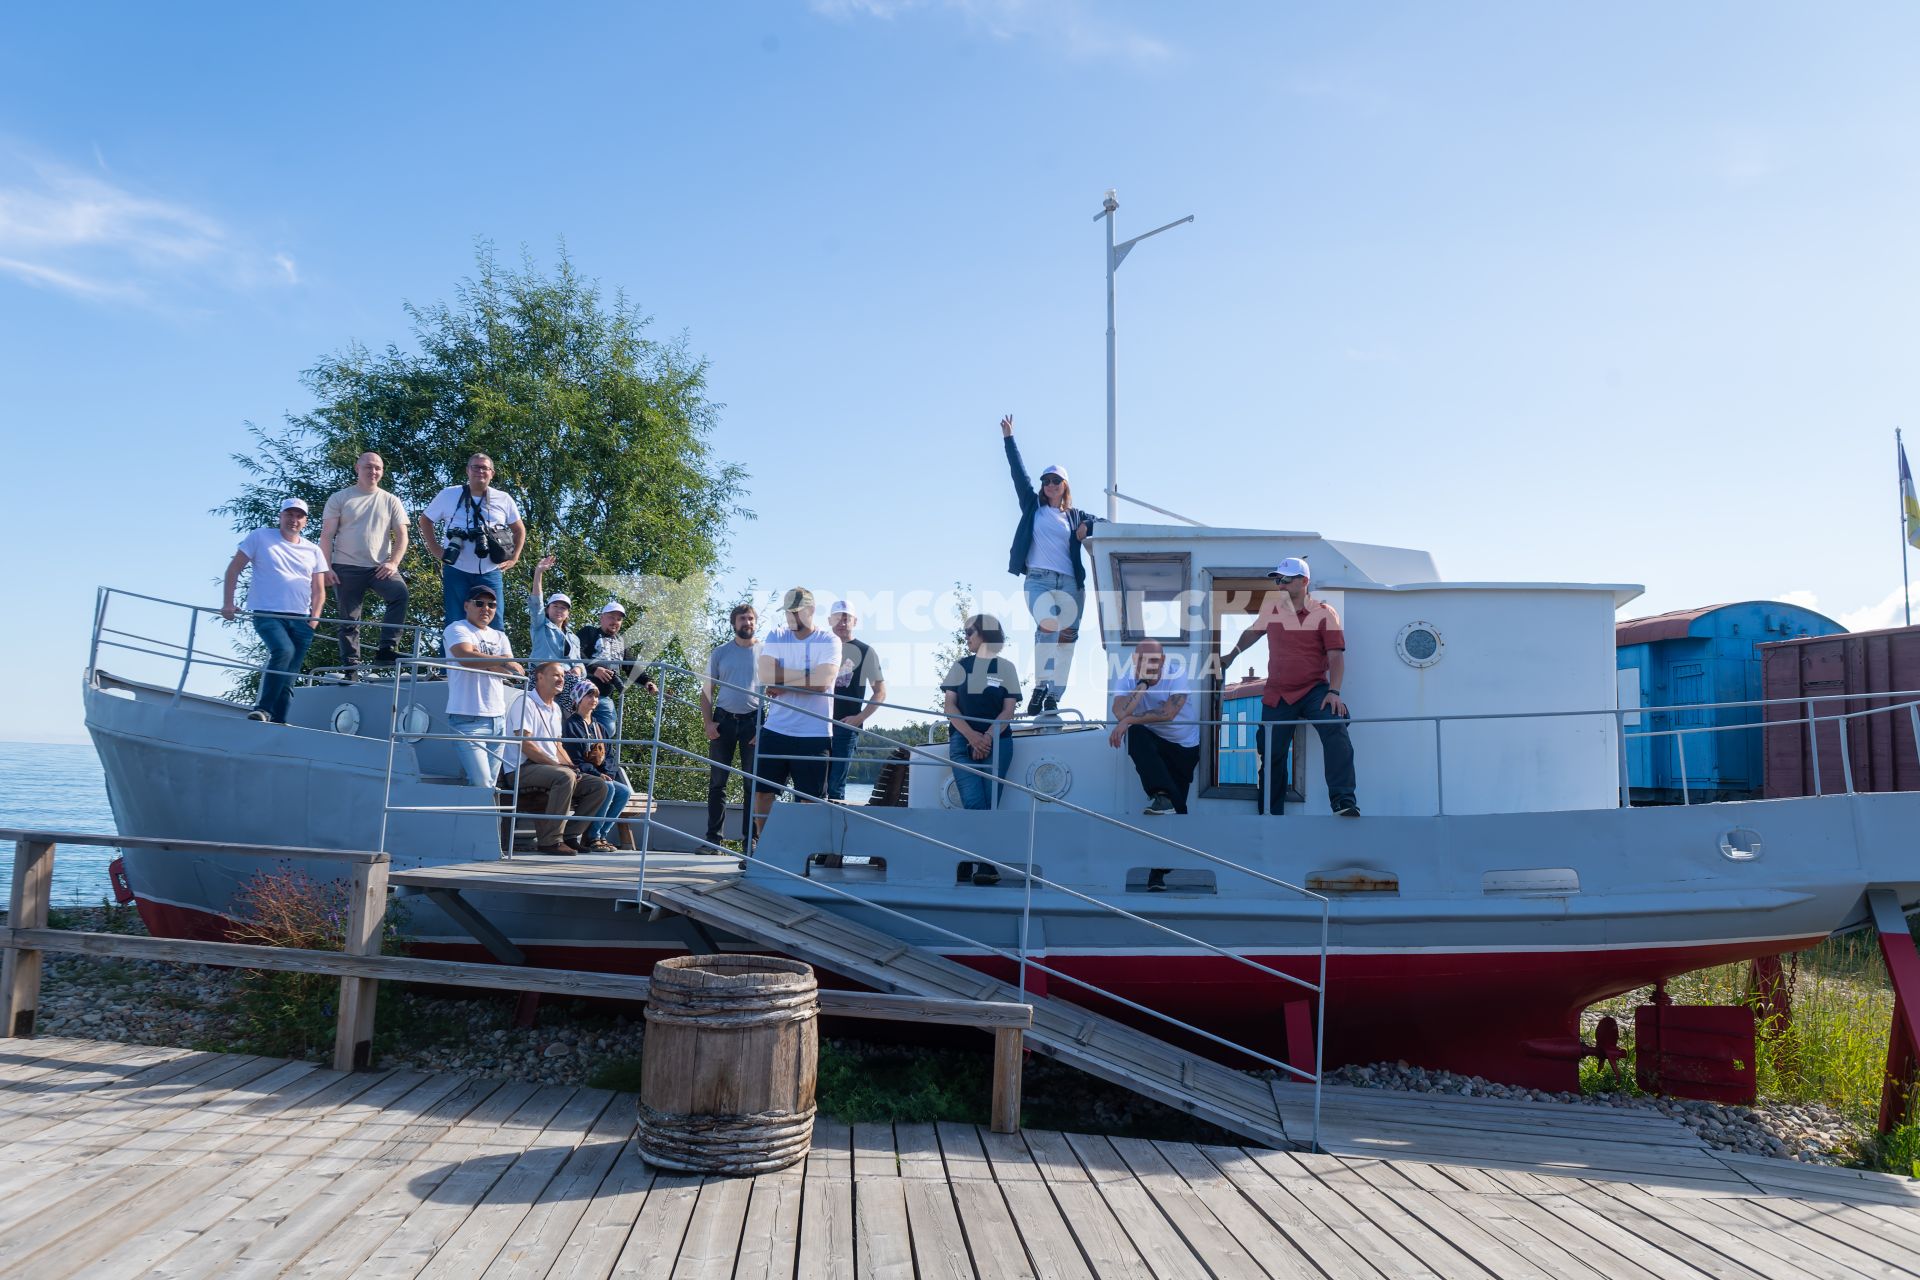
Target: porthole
(414,722)
(1419,644)
(950,795)
(1049,778)
(346,719)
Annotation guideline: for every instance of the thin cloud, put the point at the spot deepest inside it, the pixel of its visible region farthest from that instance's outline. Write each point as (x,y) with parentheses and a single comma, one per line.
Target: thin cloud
(1877,617)
(1805,599)
(80,234)
(1075,27)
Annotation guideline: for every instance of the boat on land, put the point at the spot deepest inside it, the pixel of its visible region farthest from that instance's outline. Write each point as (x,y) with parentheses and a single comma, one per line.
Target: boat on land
(1499,883)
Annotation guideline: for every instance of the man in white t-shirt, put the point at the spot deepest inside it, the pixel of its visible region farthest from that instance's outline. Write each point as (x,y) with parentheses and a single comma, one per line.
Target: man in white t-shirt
(479,658)
(288,587)
(363,534)
(536,761)
(1157,721)
(480,535)
(798,663)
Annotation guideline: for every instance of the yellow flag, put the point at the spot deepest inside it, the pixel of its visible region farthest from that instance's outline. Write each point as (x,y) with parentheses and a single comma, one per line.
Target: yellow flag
(1908,502)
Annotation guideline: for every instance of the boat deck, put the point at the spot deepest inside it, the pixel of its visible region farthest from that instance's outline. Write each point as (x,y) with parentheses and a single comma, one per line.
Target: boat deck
(612,877)
(119,1161)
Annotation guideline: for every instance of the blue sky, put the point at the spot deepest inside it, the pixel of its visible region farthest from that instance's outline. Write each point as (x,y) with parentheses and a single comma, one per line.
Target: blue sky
(1610,294)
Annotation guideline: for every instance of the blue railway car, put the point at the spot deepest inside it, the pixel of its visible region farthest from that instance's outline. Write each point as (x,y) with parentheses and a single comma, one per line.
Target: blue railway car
(1695,656)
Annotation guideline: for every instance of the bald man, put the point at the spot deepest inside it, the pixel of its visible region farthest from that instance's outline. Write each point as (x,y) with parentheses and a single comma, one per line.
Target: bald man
(1157,720)
(363,535)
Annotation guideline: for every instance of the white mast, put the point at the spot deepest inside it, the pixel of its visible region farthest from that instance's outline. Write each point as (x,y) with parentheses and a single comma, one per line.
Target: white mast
(1116,254)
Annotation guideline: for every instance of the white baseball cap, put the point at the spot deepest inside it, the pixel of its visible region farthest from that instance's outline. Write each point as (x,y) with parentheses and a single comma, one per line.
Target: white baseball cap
(611,606)
(561,597)
(294,504)
(1291,567)
(1054,471)
(841,606)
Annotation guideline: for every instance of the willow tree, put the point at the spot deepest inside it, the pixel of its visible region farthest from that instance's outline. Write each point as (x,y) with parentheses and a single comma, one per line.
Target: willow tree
(601,432)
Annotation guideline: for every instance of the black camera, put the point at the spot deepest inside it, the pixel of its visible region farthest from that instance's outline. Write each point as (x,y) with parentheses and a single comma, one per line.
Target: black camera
(450,551)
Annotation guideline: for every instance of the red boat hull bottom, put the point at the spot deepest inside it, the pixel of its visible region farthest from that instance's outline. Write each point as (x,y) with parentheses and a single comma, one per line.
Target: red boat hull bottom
(1512,1017)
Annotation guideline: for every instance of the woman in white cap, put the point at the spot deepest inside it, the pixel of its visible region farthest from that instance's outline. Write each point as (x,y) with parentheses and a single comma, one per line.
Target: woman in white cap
(1046,552)
(547,620)
(289,587)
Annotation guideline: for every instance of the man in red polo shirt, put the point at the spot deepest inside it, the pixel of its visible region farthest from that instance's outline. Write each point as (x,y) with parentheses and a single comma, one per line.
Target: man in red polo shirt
(1306,658)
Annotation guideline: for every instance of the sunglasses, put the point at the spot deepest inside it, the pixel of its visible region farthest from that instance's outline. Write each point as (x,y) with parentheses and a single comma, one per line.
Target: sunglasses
(1281,577)
(485,604)
(1051,480)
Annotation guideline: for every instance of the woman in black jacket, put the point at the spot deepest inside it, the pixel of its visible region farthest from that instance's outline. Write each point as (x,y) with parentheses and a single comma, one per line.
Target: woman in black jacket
(1046,552)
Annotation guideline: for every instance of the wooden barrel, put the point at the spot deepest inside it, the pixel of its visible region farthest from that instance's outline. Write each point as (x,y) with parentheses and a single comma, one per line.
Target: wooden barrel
(727,1069)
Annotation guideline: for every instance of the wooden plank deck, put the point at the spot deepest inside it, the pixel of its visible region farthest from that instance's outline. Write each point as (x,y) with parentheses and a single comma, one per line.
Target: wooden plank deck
(118,1160)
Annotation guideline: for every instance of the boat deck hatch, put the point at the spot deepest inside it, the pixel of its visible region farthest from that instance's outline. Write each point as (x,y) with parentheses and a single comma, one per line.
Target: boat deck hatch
(845,866)
(1353,880)
(1170,880)
(1525,881)
(985,873)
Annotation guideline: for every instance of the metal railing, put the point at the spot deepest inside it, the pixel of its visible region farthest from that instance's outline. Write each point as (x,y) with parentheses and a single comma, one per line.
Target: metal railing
(1023,957)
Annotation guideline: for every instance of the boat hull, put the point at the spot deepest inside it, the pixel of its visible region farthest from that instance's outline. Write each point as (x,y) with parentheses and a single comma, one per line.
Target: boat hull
(1447,968)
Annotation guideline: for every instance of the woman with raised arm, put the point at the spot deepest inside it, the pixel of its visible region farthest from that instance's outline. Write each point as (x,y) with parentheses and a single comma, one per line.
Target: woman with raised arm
(1046,552)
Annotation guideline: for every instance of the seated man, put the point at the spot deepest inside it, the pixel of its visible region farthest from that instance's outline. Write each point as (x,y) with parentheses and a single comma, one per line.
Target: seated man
(1157,721)
(536,761)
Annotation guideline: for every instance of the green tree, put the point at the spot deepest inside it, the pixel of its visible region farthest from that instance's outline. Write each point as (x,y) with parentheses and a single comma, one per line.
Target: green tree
(601,432)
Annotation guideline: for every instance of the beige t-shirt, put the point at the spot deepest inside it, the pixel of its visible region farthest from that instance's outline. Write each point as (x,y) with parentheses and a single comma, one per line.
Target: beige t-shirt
(369,523)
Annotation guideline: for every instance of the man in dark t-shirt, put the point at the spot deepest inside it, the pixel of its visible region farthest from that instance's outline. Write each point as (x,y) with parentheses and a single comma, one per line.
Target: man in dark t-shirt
(859,668)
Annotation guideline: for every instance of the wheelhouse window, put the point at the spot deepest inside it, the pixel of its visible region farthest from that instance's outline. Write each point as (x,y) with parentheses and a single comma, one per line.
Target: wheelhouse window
(1153,596)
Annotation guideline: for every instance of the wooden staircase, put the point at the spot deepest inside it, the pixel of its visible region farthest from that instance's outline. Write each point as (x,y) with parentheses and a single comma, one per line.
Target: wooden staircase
(1098,1045)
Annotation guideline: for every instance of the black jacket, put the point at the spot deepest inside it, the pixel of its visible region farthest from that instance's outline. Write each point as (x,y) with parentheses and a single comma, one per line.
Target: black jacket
(1023,532)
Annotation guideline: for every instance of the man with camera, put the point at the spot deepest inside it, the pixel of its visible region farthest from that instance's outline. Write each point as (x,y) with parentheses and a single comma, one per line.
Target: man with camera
(480,536)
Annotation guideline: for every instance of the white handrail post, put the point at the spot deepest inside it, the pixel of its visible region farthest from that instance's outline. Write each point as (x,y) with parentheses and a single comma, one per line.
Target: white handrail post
(1813,743)
(1626,782)
(393,737)
(1680,745)
(653,772)
(1913,714)
(100,596)
(1439,771)
(1026,910)
(1841,725)
(186,663)
(1320,1022)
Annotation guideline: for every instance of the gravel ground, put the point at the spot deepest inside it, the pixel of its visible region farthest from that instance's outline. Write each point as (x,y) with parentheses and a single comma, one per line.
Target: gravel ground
(146,1002)
(1812,1133)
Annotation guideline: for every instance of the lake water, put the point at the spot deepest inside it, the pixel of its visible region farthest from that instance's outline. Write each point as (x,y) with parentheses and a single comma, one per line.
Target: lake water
(60,788)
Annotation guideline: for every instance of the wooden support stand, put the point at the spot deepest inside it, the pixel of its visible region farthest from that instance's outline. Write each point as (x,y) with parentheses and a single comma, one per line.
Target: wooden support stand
(366,918)
(1009,1052)
(26,909)
(1903,970)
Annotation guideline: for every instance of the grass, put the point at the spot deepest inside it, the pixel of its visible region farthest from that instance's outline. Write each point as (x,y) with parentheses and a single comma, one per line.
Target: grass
(1833,1050)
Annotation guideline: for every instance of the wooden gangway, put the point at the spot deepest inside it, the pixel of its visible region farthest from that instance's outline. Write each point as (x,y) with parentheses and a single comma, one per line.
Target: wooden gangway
(1113,1051)
(122,1161)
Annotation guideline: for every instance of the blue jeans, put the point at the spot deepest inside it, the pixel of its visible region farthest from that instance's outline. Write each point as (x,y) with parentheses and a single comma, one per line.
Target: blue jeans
(1335,746)
(454,585)
(618,793)
(482,760)
(975,791)
(1054,597)
(286,636)
(844,736)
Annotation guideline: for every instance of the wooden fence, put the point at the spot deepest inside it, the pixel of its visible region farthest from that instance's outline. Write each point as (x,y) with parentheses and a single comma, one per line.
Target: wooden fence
(361,968)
